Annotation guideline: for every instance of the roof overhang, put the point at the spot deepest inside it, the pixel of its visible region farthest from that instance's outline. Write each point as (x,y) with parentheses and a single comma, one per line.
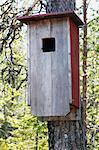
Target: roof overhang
(33,18)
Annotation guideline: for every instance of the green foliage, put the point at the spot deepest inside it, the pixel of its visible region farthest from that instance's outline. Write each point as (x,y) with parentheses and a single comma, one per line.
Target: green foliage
(92,81)
(93,85)
(18,128)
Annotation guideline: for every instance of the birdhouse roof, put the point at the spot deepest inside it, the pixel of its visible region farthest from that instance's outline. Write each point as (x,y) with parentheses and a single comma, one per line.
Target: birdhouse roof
(33,18)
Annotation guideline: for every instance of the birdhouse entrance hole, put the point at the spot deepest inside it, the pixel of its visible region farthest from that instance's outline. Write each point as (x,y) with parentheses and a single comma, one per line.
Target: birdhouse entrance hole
(48,44)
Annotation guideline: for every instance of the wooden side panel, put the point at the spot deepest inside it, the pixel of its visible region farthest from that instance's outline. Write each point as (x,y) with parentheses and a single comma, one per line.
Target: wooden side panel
(74,36)
(49,87)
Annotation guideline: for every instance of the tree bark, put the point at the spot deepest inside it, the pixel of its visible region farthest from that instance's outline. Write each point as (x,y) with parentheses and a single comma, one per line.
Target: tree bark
(65,135)
(60,5)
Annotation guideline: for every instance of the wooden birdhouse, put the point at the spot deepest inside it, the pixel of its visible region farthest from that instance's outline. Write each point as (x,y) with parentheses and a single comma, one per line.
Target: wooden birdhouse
(53,62)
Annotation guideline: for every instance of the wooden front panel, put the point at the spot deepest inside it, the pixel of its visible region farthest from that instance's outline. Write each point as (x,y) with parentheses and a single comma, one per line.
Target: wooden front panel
(49,86)
(74,36)
(40,72)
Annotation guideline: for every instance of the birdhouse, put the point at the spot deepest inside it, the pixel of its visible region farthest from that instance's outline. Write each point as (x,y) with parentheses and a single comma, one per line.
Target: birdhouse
(53,63)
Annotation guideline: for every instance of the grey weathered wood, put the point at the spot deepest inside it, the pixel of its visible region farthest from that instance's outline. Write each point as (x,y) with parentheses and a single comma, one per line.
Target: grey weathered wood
(75,114)
(60,85)
(40,72)
(49,72)
(29,65)
(69,61)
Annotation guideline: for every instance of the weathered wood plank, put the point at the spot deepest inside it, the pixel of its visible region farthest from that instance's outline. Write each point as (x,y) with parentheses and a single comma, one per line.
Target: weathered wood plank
(40,72)
(60,83)
(49,73)
(75,114)
(69,60)
(29,65)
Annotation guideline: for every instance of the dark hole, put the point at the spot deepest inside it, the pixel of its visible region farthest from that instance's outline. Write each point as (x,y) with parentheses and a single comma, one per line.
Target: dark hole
(48,44)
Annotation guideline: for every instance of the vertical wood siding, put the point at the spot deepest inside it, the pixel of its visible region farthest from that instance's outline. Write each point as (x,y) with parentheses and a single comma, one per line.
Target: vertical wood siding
(49,85)
(74,35)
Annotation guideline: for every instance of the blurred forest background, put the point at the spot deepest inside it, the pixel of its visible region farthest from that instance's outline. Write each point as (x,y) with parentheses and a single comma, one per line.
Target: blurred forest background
(19,130)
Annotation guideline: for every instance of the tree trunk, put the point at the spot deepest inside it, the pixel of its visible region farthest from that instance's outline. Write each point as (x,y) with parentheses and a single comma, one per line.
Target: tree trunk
(65,135)
(60,5)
